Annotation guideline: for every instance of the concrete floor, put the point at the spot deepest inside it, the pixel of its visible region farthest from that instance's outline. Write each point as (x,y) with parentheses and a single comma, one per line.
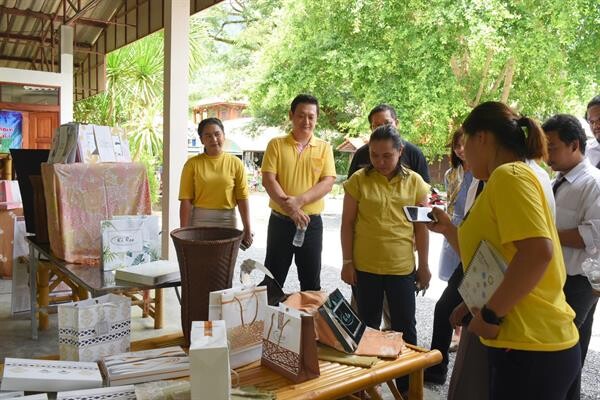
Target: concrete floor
(15,332)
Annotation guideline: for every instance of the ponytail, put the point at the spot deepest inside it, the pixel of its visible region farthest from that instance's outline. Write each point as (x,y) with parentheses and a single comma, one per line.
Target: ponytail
(516,133)
(536,141)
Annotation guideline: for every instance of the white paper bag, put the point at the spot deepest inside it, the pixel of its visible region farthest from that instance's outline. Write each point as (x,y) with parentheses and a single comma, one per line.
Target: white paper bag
(242,309)
(20,298)
(91,329)
(130,240)
(209,360)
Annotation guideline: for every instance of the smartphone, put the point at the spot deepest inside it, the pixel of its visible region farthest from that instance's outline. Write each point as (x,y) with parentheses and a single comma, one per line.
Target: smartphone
(418,214)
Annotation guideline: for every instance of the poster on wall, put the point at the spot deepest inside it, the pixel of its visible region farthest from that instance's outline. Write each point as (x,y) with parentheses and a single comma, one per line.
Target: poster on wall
(11,130)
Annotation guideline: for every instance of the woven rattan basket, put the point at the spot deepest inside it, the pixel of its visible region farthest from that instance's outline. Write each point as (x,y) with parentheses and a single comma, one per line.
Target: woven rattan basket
(206,260)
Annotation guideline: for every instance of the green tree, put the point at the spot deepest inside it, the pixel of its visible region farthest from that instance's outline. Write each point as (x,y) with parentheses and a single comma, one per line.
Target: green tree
(432,60)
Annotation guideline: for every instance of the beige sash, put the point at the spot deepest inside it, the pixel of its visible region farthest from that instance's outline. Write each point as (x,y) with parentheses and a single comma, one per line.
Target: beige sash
(205,217)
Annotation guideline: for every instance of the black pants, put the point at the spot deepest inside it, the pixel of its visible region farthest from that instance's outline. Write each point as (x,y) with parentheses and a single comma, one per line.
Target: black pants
(532,375)
(400,292)
(442,330)
(582,300)
(280,250)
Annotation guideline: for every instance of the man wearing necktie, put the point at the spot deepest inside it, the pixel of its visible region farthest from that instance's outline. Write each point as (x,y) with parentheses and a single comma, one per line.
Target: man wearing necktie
(592,115)
(576,191)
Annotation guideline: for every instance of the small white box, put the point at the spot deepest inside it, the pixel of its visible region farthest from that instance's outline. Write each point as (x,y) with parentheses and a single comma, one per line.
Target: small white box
(108,393)
(146,366)
(209,360)
(49,376)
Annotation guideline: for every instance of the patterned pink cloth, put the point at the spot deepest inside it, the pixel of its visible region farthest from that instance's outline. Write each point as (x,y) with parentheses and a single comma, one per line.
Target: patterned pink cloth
(79,196)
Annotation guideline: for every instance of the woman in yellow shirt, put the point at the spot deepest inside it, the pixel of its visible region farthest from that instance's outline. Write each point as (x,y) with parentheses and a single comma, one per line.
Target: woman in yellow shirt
(527,325)
(213,183)
(377,239)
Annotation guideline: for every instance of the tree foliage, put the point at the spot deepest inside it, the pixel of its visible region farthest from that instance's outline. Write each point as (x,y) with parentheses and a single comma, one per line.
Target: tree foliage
(434,61)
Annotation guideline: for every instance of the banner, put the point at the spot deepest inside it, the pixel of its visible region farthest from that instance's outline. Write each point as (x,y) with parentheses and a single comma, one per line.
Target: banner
(11,130)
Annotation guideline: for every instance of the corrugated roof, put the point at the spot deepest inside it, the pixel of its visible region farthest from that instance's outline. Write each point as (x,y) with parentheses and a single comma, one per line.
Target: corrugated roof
(30,29)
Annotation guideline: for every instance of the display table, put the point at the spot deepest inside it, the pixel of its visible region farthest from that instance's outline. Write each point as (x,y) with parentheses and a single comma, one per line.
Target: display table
(82,279)
(336,380)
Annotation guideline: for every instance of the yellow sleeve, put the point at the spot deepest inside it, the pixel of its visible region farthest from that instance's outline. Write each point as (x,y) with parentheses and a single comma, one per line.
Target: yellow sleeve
(423,188)
(269,162)
(517,201)
(241,181)
(352,187)
(328,162)
(186,186)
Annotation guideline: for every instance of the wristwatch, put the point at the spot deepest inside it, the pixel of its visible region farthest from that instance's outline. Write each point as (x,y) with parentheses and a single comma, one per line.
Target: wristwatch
(490,316)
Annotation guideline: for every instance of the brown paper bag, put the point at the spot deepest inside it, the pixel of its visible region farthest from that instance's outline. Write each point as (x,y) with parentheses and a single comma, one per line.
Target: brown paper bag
(289,345)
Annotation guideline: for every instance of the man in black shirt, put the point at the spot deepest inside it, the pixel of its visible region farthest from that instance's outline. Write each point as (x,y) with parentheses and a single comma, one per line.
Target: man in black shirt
(412,156)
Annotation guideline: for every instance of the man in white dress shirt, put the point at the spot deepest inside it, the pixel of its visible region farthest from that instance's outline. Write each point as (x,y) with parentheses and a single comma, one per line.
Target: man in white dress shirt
(576,190)
(593,118)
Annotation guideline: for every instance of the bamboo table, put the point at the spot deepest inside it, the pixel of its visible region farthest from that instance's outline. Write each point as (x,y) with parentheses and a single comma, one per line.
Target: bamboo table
(336,380)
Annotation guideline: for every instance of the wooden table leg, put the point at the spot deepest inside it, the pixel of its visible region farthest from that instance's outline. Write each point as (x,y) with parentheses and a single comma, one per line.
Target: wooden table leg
(373,393)
(394,390)
(158,308)
(415,385)
(43,295)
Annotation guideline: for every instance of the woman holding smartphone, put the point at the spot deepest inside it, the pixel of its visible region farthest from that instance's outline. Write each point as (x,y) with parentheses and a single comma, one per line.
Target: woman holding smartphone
(378,240)
(526,326)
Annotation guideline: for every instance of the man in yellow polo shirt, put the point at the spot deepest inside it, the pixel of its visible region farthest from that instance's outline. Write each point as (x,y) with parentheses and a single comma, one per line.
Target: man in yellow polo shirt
(298,171)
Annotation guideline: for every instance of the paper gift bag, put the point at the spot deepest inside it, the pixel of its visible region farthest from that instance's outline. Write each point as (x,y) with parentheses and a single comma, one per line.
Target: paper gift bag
(242,309)
(209,360)
(91,329)
(289,344)
(130,240)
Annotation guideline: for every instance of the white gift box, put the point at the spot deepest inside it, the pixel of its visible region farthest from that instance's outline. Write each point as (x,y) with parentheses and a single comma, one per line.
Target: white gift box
(11,394)
(91,329)
(40,396)
(108,393)
(146,366)
(49,376)
(242,309)
(209,360)
(130,240)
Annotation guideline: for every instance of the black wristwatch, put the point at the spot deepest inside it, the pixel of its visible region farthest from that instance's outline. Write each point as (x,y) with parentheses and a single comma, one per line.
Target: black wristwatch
(490,316)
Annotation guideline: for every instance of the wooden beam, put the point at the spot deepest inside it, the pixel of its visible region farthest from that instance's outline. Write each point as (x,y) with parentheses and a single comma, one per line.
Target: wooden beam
(98,23)
(21,59)
(38,39)
(80,13)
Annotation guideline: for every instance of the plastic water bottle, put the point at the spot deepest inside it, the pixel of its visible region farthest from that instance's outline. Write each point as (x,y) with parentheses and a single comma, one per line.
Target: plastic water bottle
(299,236)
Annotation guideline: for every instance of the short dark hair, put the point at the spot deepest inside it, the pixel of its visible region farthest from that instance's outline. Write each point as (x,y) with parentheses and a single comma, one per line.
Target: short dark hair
(388,132)
(209,121)
(456,137)
(304,99)
(594,102)
(380,108)
(569,129)
(512,131)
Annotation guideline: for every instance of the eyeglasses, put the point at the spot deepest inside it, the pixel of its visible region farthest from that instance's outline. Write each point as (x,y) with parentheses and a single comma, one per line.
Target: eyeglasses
(593,122)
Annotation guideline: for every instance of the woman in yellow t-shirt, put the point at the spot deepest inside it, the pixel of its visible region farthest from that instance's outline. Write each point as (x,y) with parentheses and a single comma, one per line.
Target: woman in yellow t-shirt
(526,325)
(213,183)
(377,239)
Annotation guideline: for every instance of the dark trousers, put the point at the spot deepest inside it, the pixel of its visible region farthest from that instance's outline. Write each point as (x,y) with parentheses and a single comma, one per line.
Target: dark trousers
(400,292)
(280,251)
(442,330)
(582,300)
(531,375)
